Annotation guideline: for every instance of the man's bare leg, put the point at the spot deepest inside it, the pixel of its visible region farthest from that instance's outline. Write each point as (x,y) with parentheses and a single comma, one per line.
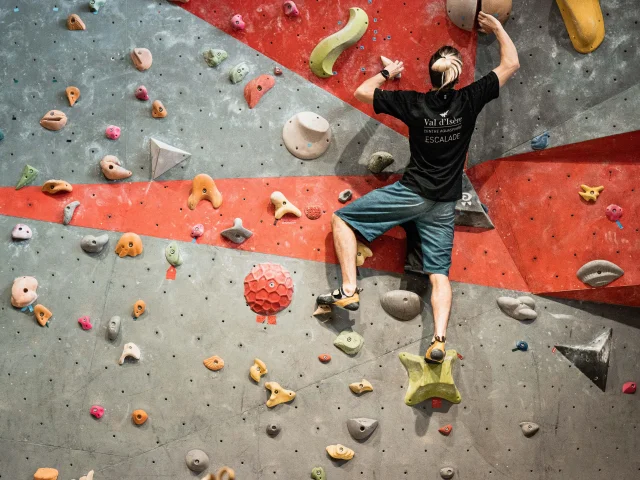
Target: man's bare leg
(441,306)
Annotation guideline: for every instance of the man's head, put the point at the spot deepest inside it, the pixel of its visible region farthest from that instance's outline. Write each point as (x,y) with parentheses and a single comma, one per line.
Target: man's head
(445,68)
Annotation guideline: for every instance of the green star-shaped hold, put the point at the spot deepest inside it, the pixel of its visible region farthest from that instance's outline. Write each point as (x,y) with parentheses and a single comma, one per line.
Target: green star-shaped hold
(428,380)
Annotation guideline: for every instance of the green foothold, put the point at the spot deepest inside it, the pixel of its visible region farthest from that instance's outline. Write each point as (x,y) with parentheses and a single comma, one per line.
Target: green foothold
(215,56)
(172,252)
(28,175)
(318,474)
(237,73)
(329,49)
(349,342)
(428,380)
(1,135)
(95,5)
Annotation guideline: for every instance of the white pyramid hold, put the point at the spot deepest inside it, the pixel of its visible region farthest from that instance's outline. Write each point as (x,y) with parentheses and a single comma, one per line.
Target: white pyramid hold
(164,157)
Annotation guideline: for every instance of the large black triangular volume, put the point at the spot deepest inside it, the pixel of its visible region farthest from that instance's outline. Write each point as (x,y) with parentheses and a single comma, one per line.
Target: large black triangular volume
(469,209)
(591,359)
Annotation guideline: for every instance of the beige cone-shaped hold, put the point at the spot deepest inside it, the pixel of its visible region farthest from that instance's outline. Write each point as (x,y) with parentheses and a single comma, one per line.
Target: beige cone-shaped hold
(204,188)
(283,206)
(46,474)
(307,135)
(278,394)
(73,94)
(74,22)
(54,120)
(130,350)
(258,369)
(214,363)
(361,386)
(141,58)
(112,169)
(462,13)
(364,252)
(340,452)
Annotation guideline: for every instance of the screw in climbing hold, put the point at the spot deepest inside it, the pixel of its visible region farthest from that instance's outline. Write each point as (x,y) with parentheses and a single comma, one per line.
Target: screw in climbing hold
(521,345)
(613,213)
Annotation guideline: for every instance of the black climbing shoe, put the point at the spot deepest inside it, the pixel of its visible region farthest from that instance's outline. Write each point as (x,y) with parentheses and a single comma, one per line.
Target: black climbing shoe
(341,299)
(436,351)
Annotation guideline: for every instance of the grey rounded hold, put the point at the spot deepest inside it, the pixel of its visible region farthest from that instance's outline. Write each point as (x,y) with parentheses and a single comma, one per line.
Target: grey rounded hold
(113,328)
(237,234)
(345,196)
(447,472)
(273,429)
(521,308)
(197,460)
(529,429)
(91,244)
(361,428)
(379,161)
(401,304)
(599,273)
(69,210)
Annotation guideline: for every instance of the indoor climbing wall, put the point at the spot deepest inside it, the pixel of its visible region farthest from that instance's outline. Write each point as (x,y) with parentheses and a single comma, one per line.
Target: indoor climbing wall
(51,377)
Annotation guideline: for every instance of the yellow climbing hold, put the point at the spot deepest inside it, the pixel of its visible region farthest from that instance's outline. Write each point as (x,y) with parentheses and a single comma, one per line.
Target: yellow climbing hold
(364,252)
(428,380)
(584,22)
(590,194)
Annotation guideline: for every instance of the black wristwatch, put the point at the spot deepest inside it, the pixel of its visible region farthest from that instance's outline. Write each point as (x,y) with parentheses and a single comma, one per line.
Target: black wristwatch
(385,73)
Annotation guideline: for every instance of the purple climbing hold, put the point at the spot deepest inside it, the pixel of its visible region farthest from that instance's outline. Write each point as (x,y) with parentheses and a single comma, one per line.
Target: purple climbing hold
(197,230)
(21,232)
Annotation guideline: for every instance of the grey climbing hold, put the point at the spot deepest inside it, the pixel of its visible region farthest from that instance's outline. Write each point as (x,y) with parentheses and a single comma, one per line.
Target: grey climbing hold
(349,342)
(361,428)
(69,210)
(521,308)
(273,429)
(95,5)
(599,273)
(529,429)
(447,472)
(591,359)
(345,196)
(318,474)
(113,328)
(379,161)
(197,460)
(401,304)
(91,244)
(237,233)
(237,73)
(215,56)
(469,209)
(173,255)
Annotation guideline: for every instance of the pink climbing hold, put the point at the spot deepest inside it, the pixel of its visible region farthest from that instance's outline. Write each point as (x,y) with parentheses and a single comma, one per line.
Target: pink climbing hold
(268,289)
(112,132)
(97,411)
(197,231)
(85,323)
(141,93)
(290,9)
(629,387)
(614,212)
(237,23)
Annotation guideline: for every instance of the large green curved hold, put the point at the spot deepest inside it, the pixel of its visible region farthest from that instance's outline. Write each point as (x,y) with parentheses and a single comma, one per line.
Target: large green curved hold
(430,380)
(329,49)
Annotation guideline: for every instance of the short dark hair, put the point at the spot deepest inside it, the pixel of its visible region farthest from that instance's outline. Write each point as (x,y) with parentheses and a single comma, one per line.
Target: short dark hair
(445,67)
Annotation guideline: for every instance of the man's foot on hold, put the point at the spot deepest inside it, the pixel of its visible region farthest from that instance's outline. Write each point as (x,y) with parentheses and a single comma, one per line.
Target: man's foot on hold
(436,351)
(341,299)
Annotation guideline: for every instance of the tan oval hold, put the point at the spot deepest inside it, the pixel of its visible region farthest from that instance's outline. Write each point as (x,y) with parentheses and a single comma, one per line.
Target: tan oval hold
(46,474)
(112,169)
(54,120)
(74,22)
(361,386)
(130,244)
(214,363)
(73,94)
(340,452)
(158,110)
(141,58)
(56,186)
(139,417)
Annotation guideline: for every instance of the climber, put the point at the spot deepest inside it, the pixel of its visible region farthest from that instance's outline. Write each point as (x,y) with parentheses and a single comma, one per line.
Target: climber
(440,123)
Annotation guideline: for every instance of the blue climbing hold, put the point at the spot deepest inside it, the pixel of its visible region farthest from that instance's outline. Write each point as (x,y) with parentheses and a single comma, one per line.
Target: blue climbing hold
(521,345)
(540,142)
(1,135)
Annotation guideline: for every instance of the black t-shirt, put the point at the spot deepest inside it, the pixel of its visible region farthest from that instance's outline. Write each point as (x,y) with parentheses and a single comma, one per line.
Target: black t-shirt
(440,128)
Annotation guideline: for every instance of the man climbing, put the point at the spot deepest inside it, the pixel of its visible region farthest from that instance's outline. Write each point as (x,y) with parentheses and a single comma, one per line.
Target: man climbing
(440,123)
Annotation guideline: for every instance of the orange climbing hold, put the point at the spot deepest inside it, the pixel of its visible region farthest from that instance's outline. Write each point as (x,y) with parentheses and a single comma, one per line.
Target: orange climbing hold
(139,308)
(74,22)
(73,94)
(256,88)
(204,188)
(446,430)
(139,417)
(46,474)
(129,244)
(42,314)
(158,110)
(56,186)
(214,363)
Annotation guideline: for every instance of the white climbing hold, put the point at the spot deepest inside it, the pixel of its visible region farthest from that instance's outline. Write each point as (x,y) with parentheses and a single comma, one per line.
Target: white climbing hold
(130,350)
(164,157)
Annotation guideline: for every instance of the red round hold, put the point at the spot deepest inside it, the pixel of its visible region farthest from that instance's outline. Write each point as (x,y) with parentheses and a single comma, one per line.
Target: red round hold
(313,212)
(629,387)
(268,288)
(324,358)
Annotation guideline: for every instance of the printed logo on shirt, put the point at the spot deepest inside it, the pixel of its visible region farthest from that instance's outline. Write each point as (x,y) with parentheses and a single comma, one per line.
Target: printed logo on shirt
(442,130)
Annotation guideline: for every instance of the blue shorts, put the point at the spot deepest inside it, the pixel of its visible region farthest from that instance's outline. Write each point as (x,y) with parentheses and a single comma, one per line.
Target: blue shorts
(393,205)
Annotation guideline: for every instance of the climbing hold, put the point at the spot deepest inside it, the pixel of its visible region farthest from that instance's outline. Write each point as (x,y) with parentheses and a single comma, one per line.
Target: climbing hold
(340,452)
(112,169)
(349,342)
(204,188)
(447,472)
(277,71)
(214,363)
(215,56)
(197,460)
(469,212)
(521,308)
(225,473)
(69,210)
(273,429)
(85,323)
(446,430)
(237,73)
(139,308)
(306,135)
(379,161)
(112,132)
(521,345)
(237,23)
(164,157)
(590,194)
(1,135)
(529,429)
(258,369)
(256,88)
(237,233)
(427,380)
(27,176)
(54,120)
(386,62)
(56,186)
(73,94)
(290,9)
(141,58)
(322,310)
(629,387)
(88,476)
(197,230)
(278,394)
(584,22)
(130,350)
(361,387)
(21,232)
(42,314)
(598,273)
(614,212)
(329,49)
(401,304)
(591,359)
(129,244)
(158,110)
(23,291)
(364,252)
(268,288)
(318,474)
(172,254)
(95,5)
(324,357)
(74,22)
(113,328)
(283,206)
(313,212)
(97,411)
(139,417)
(500,9)
(46,474)
(345,196)
(361,428)
(91,244)
(141,93)
(462,13)
(540,142)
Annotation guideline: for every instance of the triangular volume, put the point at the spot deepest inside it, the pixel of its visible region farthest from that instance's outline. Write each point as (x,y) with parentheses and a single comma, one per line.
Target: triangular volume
(164,157)
(591,359)
(469,209)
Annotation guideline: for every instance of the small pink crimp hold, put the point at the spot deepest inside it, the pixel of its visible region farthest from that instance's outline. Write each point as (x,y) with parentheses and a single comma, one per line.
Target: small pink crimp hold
(97,411)
(85,323)
(197,230)
(112,132)
(141,93)
(237,23)
(290,9)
